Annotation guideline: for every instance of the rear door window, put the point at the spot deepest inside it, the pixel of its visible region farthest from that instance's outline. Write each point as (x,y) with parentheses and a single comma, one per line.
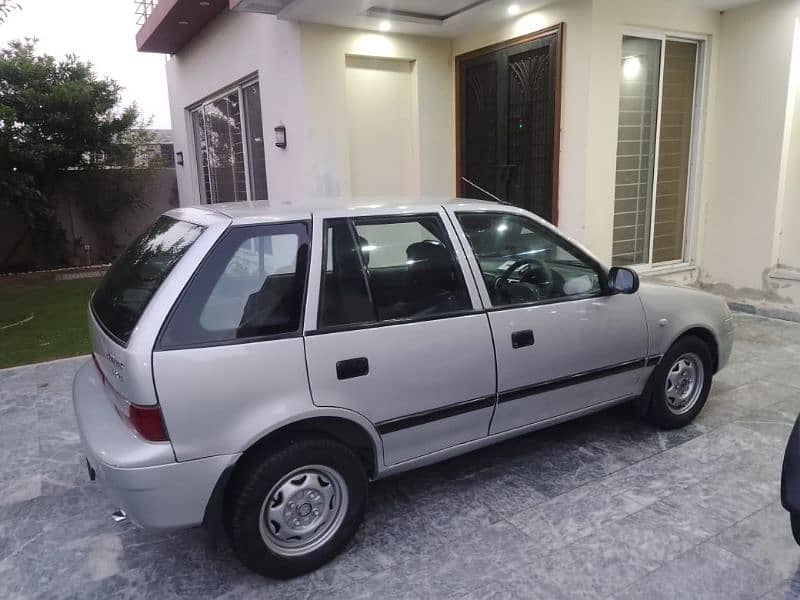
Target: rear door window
(130,283)
(250,287)
(384,269)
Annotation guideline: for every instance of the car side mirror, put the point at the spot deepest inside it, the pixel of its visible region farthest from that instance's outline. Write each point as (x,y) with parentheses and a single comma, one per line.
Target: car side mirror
(623,281)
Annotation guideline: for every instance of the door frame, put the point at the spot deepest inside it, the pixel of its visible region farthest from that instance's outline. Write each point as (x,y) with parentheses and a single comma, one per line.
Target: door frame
(558,31)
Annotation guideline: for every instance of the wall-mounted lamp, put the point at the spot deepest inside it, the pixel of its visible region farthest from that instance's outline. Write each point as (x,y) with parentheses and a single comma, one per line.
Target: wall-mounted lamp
(179,158)
(280,136)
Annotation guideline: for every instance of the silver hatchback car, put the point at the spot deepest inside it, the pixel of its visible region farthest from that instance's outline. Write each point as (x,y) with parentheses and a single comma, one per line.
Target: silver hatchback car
(256,366)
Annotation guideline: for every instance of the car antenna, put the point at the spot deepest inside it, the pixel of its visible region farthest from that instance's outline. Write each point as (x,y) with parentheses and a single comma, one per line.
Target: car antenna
(488,193)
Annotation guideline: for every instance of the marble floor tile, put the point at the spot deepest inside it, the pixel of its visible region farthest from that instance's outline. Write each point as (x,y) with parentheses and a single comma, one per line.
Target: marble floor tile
(765,539)
(573,515)
(786,590)
(706,571)
(604,506)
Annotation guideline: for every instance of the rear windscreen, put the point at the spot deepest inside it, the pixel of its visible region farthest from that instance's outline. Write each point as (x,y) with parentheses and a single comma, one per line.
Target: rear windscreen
(135,276)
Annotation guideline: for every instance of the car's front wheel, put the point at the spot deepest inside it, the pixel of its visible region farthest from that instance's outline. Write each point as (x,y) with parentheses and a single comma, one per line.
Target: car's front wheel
(678,387)
(294,508)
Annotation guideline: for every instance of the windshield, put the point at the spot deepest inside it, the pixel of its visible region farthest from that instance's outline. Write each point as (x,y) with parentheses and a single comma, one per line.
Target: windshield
(135,276)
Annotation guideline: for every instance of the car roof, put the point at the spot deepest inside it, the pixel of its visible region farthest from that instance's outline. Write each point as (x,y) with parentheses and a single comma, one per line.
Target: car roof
(263,211)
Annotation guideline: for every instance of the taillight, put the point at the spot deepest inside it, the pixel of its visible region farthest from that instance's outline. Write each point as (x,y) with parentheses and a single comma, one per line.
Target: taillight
(148,422)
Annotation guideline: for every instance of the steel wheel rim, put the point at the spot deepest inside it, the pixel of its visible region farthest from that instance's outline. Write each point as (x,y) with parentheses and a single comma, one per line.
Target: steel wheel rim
(303,511)
(684,383)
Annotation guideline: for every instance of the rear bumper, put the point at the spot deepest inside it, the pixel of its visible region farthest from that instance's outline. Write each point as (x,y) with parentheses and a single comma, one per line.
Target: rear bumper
(790,475)
(142,477)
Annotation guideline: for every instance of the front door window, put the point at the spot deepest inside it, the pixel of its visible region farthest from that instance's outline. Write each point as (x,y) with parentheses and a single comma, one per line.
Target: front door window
(523,262)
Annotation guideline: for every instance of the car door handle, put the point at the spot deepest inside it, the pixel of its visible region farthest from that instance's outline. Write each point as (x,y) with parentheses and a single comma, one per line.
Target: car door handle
(522,338)
(352,367)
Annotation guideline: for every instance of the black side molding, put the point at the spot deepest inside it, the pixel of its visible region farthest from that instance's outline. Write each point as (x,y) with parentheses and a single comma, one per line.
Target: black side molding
(583,377)
(652,361)
(428,416)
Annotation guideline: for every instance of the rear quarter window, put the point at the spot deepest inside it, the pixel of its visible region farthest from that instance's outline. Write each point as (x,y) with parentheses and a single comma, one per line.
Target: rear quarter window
(250,287)
(136,275)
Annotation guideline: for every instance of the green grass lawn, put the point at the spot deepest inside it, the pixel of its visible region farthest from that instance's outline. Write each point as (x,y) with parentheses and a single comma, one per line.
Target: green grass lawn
(56,320)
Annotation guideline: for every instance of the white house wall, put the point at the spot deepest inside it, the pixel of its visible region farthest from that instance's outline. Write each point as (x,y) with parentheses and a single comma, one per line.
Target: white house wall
(755,151)
(232,47)
(324,54)
(302,75)
(788,241)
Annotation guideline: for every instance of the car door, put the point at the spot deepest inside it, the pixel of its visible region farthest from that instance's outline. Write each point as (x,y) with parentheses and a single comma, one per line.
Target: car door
(395,332)
(563,343)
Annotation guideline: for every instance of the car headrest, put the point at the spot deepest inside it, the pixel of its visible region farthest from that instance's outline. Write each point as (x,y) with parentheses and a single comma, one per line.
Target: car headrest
(430,253)
(430,265)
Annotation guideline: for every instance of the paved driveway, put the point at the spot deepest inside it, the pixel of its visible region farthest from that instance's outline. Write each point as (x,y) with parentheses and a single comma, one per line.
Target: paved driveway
(602,507)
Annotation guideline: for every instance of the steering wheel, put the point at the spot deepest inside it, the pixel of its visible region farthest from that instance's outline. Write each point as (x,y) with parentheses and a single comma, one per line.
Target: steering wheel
(544,285)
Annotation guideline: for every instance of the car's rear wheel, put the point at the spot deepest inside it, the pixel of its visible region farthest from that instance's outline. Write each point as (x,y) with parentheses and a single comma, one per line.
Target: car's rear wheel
(678,387)
(292,510)
(795,520)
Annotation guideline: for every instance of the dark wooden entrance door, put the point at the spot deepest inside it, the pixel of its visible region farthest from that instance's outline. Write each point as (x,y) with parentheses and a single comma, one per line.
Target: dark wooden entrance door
(508,121)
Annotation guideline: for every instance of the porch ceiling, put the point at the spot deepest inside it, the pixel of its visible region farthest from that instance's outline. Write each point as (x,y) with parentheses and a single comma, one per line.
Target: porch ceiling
(174,22)
(442,18)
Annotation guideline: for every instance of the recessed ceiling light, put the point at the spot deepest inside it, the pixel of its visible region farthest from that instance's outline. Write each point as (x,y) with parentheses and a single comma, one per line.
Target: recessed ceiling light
(205,3)
(183,22)
(385,25)
(513,9)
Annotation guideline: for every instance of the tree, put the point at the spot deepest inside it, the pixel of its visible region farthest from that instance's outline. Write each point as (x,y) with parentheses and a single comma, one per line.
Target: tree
(6,6)
(55,116)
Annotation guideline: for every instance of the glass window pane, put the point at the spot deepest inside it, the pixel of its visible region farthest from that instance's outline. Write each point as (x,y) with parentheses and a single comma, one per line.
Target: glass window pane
(199,127)
(344,296)
(135,276)
(674,146)
(385,244)
(522,262)
(251,286)
(255,142)
(225,149)
(411,268)
(638,111)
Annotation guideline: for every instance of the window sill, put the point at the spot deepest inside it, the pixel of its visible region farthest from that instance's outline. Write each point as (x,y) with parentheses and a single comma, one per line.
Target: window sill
(785,274)
(654,271)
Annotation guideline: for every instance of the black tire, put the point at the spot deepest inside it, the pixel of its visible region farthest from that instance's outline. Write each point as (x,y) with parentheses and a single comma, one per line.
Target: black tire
(252,483)
(795,520)
(657,409)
